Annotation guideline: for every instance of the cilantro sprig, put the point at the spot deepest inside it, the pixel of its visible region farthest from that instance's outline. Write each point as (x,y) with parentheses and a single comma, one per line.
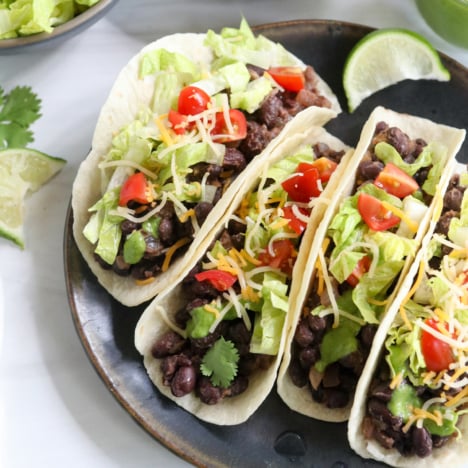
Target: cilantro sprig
(18,110)
(220,363)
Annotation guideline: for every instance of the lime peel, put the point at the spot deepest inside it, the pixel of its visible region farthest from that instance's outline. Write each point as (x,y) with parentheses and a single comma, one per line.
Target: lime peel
(385,57)
(22,170)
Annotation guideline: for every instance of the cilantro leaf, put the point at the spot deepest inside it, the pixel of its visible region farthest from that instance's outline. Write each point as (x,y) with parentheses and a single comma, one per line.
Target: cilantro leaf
(220,363)
(18,110)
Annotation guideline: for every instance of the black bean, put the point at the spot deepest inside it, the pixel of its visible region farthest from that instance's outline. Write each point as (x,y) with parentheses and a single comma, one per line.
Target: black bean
(154,247)
(399,140)
(170,364)
(297,374)
(382,391)
(422,441)
(184,381)
(443,224)
(331,376)
(234,160)
(166,230)
(336,398)
(316,323)
(303,335)
(258,136)
(369,170)
(127,226)
(309,356)
(207,392)
(452,199)
(202,210)
(238,386)
(366,335)
(169,343)
(354,361)
(379,411)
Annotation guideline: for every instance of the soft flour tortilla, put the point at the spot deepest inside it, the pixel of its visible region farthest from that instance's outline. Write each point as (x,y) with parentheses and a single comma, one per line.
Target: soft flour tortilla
(300,399)
(127,96)
(453,454)
(152,324)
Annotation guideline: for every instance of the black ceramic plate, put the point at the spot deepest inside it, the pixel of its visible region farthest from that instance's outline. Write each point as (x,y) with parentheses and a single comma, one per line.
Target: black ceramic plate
(274,436)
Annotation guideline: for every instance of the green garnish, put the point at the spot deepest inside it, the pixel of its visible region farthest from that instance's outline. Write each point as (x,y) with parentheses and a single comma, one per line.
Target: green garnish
(220,363)
(18,110)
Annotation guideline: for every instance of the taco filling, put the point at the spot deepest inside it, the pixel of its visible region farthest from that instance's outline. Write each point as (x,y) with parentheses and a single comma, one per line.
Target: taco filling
(419,391)
(366,247)
(236,297)
(206,122)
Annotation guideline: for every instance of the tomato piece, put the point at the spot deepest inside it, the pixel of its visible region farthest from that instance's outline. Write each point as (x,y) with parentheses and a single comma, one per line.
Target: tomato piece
(298,225)
(283,256)
(135,188)
(178,121)
(361,267)
(325,166)
(303,185)
(192,100)
(395,181)
(289,78)
(221,280)
(222,133)
(374,214)
(437,353)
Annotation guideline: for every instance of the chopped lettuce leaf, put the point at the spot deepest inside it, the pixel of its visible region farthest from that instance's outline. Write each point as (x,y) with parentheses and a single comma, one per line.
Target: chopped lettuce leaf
(254,94)
(241,45)
(268,326)
(159,60)
(387,153)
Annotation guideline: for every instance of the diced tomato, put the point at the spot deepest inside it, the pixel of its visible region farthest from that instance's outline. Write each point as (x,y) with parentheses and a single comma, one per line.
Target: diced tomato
(192,100)
(135,188)
(325,166)
(221,132)
(361,267)
(374,214)
(178,122)
(395,181)
(289,78)
(283,256)
(296,224)
(221,280)
(437,353)
(304,185)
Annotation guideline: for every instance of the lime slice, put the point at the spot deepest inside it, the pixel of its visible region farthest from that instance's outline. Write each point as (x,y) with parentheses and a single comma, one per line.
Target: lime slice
(21,170)
(385,57)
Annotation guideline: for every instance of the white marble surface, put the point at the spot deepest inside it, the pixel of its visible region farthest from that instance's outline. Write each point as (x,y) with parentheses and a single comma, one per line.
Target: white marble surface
(54,409)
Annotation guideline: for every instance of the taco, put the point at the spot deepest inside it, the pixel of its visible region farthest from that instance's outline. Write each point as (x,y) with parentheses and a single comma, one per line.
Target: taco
(366,243)
(183,120)
(212,343)
(412,397)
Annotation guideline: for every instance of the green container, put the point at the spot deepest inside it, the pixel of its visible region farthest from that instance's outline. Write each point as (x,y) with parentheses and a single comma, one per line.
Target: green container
(448,18)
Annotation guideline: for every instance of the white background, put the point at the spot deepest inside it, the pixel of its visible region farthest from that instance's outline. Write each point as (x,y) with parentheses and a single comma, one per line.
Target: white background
(54,409)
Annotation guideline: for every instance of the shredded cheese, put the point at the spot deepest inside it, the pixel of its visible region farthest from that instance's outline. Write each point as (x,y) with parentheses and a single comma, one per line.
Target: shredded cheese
(171,251)
(419,278)
(166,138)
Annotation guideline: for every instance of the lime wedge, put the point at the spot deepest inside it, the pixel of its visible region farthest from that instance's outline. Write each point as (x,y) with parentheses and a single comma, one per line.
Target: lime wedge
(21,170)
(385,57)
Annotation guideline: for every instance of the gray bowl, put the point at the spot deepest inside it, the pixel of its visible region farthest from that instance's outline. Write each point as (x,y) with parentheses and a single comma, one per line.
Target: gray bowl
(60,33)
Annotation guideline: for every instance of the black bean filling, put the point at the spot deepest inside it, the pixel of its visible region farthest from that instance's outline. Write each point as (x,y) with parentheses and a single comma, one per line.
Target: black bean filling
(379,423)
(335,387)
(262,126)
(181,358)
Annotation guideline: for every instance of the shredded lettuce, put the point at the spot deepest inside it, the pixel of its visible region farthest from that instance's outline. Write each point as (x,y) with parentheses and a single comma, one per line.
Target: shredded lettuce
(269,322)
(26,17)
(241,45)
